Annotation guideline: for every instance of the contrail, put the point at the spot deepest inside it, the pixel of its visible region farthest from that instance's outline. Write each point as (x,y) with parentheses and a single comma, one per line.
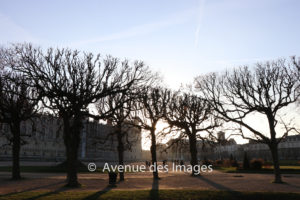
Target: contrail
(200,13)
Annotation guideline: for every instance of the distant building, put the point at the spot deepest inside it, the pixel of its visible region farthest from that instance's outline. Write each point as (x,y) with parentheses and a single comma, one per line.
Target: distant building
(180,150)
(288,149)
(221,136)
(146,155)
(45,142)
(96,147)
(161,152)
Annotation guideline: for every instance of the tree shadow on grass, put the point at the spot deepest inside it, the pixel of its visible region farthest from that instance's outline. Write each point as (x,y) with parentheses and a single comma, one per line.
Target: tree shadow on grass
(99,193)
(62,189)
(214,184)
(32,189)
(154,192)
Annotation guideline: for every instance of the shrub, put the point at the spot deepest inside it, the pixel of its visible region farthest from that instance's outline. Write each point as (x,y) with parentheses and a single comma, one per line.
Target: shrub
(234,163)
(207,162)
(219,162)
(267,164)
(257,164)
(227,163)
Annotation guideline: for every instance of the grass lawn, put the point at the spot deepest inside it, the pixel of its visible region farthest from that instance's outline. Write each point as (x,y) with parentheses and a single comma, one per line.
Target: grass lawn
(289,162)
(152,194)
(288,167)
(269,169)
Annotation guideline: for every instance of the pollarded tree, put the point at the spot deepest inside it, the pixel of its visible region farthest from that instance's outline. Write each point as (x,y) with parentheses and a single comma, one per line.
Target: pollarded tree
(18,103)
(296,63)
(151,103)
(117,108)
(70,81)
(266,89)
(192,115)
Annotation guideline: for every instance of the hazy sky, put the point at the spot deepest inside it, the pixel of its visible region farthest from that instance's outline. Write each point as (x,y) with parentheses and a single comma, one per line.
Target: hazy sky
(181,39)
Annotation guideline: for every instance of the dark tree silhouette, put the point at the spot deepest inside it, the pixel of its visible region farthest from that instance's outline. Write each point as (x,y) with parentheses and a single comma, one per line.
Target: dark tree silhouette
(192,115)
(70,81)
(151,104)
(296,63)
(117,109)
(246,163)
(18,103)
(265,89)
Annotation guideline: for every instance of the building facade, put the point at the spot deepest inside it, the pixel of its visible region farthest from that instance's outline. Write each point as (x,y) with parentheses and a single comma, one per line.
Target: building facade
(43,141)
(288,149)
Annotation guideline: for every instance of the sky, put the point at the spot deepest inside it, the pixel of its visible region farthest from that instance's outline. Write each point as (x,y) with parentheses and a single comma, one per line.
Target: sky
(180,39)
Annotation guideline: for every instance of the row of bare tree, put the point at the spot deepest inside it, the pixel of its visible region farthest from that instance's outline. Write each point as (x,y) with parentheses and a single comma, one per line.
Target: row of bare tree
(66,83)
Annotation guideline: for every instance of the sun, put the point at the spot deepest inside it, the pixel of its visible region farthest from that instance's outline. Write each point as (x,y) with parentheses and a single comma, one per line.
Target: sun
(160,127)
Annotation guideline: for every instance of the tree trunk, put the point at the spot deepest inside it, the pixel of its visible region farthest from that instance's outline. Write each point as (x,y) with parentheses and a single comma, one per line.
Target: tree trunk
(72,140)
(193,151)
(274,147)
(15,129)
(153,154)
(121,154)
(277,173)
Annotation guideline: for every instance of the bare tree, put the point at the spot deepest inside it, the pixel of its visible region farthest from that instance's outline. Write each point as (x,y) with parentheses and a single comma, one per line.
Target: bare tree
(151,105)
(117,109)
(18,103)
(193,115)
(265,89)
(296,63)
(70,81)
